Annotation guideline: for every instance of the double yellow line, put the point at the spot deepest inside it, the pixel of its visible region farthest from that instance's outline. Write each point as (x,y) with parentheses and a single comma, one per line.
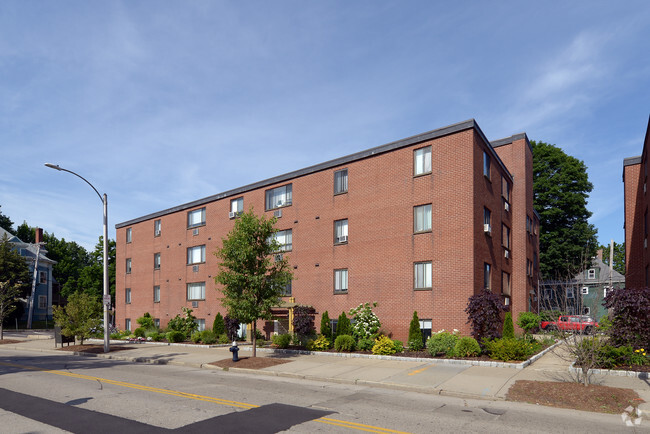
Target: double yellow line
(326,420)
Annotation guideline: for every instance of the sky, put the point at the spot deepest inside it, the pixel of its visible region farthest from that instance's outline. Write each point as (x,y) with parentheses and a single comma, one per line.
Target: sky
(159,103)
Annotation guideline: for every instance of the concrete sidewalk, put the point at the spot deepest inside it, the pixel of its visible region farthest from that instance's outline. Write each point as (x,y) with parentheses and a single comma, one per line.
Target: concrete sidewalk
(423,375)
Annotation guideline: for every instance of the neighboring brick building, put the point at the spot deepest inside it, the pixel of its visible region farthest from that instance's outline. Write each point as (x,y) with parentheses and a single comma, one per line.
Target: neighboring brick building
(635,181)
(420,224)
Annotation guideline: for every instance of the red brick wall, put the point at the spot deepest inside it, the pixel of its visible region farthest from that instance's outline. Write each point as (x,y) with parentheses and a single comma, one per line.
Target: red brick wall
(635,207)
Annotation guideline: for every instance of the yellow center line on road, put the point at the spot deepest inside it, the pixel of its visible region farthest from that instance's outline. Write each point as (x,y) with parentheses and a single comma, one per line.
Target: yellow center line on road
(417,371)
(342,423)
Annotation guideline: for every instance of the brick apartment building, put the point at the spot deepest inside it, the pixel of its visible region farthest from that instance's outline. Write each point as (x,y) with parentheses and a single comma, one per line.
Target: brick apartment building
(635,182)
(420,224)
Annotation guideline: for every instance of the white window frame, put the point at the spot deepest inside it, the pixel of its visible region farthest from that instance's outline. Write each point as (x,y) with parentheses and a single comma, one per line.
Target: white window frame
(422,275)
(237,205)
(129,265)
(129,235)
(200,322)
(157,228)
(422,161)
(606,290)
(156,293)
(341,181)
(196,291)
(196,218)
(584,290)
(422,216)
(591,274)
(341,281)
(42,302)
(196,255)
(285,240)
(278,197)
(127,295)
(340,230)
(156,261)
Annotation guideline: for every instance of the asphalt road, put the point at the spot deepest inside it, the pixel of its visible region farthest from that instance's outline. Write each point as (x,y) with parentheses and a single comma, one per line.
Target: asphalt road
(56,393)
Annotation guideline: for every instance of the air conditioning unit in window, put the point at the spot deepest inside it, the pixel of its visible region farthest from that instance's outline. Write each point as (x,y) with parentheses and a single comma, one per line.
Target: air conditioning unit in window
(195,268)
(506,253)
(487,229)
(157,233)
(277,213)
(195,231)
(195,304)
(506,206)
(232,214)
(343,239)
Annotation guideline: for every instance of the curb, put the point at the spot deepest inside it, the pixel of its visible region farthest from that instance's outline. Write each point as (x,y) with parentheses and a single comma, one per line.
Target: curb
(634,374)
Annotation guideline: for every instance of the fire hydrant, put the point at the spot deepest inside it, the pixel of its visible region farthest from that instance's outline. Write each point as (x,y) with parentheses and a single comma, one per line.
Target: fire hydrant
(235,352)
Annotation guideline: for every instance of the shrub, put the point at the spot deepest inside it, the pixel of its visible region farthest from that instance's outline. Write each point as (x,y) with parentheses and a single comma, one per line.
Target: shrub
(344,343)
(232,326)
(325,327)
(303,321)
(510,349)
(116,335)
(223,339)
(282,341)
(196,337)
(260,342)
(467,347)
(218,326)
(366,323)
(384,346)
(321,344)
(208,337)
(604,324)
(399,346)
(185,324)
(146,321)
(365,344)
(310,345)
(630,316)
(528,321)
(156,336)
(484,313)
(442,343)
(343,326)
(508,327)
(139,332)
(175,336)
(415,334)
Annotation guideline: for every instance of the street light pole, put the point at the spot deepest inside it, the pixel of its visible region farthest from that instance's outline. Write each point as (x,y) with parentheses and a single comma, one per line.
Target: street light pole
(106,297)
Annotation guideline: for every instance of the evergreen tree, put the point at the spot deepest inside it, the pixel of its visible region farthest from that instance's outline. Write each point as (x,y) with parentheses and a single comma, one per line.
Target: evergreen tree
(508,327)
(219,325)
(619,256)
(325,327)
(415,334)
(343,326)
(6,223)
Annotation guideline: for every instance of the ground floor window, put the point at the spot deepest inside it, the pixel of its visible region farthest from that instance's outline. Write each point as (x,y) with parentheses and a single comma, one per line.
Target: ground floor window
(127,324)
(200,322)
(42,301)
(425,327)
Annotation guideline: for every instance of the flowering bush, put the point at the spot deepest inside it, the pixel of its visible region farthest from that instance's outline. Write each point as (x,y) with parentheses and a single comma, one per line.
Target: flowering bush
(366,324)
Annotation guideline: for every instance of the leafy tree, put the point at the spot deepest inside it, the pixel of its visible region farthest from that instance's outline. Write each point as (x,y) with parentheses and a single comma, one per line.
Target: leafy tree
(629,311)
(91,278)
(619,256)
(26,233)
(303,321)
(415,334)
(508,327)
(484,313)
(561,188)
(232,325)
(6,223)
(185,324)
(218,326)
(343,326)
(325,327)
(8,295)
(13,268)
(528,321)
(81,317)
(71,260)
(252,278)
(146,321)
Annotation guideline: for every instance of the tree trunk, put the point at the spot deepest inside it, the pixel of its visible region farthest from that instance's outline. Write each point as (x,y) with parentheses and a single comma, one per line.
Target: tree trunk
(2,332)
(254,338)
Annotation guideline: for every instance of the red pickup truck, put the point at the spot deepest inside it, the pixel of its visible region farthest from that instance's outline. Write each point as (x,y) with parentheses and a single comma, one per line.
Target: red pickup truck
(571,323)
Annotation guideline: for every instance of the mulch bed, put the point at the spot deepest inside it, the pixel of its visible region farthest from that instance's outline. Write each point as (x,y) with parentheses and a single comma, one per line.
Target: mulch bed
(250,362)
(9,341)
(595,398)
(93,349)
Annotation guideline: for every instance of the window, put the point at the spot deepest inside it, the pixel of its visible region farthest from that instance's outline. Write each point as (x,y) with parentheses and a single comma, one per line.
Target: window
(196,255)
(196,218)
(586,311)
(42,277)
(422,161)
(505,237)
(196,291)
(486,164)
(284,239)
(156,322)
(127,324)
(591,273)
(605,291)
(425,328)
(156,228)
(505,283)
(42,301)
(505,189)
(529,225)
(156,261)
(127,295)
(341,231)
(333,324)
(156,294)
(570,293)
(487,218)
(236,206)
(200,322)
(341,181)
(529,268)
(585,290)
(487,271)
(422,275)
(422,218)
(278,197)
(129,235)
(286,291)
(341,280)
(128,265)
(547,293)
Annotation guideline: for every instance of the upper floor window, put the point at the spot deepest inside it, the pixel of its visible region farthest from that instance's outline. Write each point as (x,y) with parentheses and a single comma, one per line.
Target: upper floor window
(284,239)
(286,291)
(585,290)
(487,278)
(42,277)
(505,283)
(196,255)
(487,218)
(486,164)
(196,218)
(196,291)
(422,161)
(505,189)
(529,225)
(236,207)
(341,280)
(156,294)
(341,181)
(128,265)
(127,295)
(156,261)
(505,237)
(341,231)
(422,218)
(591,273)
(129,235)
(422,275)
(157,228)
(278,197)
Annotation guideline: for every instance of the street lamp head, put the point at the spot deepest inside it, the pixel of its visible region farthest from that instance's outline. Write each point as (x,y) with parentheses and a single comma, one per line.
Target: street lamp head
(53,166)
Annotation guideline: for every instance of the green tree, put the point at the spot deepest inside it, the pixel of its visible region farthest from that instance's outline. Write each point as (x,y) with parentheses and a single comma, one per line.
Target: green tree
(415,334)
(561,188)
(8,296)
(71,260)
(219,325)
(619,256)
(252,278)
(81,317)
(343,325)
(508,327)
(6,223)
(26,233)
(13,268)
(325,327)
(91,278)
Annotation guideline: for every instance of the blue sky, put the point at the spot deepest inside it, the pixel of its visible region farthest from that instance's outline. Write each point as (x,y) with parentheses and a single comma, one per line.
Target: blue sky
(159,103)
